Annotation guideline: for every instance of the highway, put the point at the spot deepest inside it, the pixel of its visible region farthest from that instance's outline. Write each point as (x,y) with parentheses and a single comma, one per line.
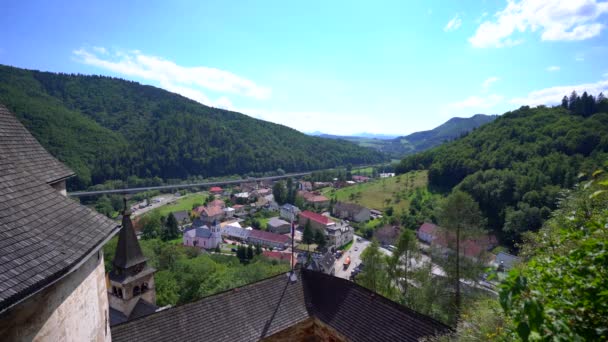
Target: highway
(183,186)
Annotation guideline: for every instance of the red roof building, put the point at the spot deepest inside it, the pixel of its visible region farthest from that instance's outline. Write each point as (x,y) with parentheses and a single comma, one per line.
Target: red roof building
(267,239)
(317,221)
(216,190)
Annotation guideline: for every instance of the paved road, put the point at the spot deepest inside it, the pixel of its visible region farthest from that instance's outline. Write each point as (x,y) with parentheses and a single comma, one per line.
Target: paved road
(355,258)
(163,200)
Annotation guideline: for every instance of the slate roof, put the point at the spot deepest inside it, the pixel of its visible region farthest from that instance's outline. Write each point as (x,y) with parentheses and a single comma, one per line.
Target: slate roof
(200,232)
(25,153)
(268,236)
(181,216)
(261,309)
(237,232)
(277,222)
(349,207)
(128,252)
(43,235)
(141,309)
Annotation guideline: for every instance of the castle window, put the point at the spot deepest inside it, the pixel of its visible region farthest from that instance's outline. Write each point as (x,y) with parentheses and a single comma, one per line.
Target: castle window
(114,291)
(120,293)
(144,287)
(136,291)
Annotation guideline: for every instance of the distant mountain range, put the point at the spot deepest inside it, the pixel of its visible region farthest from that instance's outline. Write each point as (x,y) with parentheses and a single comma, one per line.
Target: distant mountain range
(107,128)
(398,147)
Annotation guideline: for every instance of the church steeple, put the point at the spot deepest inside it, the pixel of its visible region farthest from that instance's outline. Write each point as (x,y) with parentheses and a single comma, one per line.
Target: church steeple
(128,251)
(132,280)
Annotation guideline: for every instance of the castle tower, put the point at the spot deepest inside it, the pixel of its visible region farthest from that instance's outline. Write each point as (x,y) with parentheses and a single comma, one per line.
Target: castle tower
(131,280)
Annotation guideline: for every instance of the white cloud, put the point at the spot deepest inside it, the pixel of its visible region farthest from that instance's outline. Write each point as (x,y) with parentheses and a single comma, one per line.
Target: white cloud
(472,105)
(556,19)
(579,58)
(453,24)
(554,95)
(487,83)
(100,49)
(553,68)
(180,79)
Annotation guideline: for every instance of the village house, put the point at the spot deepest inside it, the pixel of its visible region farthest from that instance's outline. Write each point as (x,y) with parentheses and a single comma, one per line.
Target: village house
(387,234)
(239,209)
(209,214)
(229,212)
(339,235)
(427,232)
(267,239)
(360,179)
(216,190)
(182,217)
(276,255)
(474,248)
(289,212)
(203,237)
(235,232)
(314,199)
(217,203)
(276,225)
(351,211)
(324,263)
(317,221)
(505,261)
(304,186)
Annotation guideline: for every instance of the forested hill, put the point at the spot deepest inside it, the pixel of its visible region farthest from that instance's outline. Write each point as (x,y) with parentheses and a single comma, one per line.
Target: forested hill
(516,166)
(107,128)
(419,141)
(449,130)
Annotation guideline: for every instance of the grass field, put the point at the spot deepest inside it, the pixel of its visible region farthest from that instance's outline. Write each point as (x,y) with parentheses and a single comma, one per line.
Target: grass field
(183,203)
(381,193)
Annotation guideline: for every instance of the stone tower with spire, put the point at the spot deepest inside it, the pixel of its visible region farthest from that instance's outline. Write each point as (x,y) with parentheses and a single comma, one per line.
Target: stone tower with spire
(216,234)
(131,292)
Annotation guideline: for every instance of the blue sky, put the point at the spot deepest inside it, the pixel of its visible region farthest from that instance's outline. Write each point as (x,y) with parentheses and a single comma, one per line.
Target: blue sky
(340,67)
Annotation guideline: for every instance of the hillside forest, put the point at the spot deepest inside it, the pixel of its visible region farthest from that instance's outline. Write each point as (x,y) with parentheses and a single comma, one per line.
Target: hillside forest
(109,129)
(518,166)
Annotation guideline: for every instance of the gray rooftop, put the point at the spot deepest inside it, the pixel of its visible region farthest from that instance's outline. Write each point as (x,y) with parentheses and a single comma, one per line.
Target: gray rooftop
(25,153)
(43,235)
(261,309)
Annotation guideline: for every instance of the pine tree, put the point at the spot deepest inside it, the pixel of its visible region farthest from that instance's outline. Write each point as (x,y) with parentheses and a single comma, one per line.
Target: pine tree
(460,216)
(308,234)
(565,102)
(249,252)
(320,239)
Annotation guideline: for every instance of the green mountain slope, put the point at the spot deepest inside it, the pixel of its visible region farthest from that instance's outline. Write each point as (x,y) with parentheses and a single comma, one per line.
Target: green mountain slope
(450,130)
(516,166)
(419,141)
(107,128)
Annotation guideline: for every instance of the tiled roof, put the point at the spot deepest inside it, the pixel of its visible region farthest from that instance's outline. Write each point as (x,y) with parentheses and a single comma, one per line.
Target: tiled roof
(349,207)
(200,232)
(211,211)
(180,216)
(215,189)
(25,153)
(262,235)
(261,309)
(238,232)
(316,217)
(428,228)
(277,222)
(43,235)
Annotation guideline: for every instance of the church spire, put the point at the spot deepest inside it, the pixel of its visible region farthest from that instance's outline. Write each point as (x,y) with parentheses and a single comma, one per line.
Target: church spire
(128,252)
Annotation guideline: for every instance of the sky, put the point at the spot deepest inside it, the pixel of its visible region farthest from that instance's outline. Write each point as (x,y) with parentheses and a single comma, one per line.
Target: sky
(339,67)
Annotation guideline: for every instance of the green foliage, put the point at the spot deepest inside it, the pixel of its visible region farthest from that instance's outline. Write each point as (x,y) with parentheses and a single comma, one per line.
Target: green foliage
(561,293)
(320,239)
(170,230)
(280,192)
(308,236)
(516,165)
(106,128)
(150,226)
(183,277)
(374,275)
